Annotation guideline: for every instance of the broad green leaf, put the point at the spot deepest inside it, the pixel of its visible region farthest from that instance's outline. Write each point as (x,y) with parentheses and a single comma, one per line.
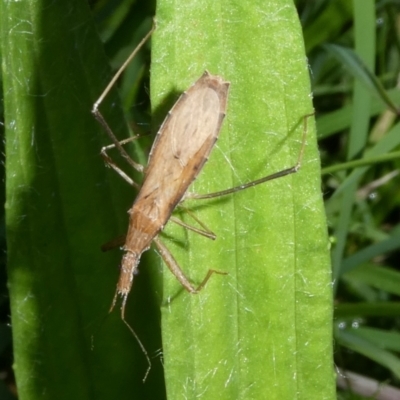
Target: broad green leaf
(62,204)
(264,330)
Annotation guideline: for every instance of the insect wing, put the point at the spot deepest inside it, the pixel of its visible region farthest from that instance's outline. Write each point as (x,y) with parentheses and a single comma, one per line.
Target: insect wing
(186,139)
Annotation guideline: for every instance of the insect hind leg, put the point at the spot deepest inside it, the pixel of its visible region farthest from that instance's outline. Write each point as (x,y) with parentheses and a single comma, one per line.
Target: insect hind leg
(267,178)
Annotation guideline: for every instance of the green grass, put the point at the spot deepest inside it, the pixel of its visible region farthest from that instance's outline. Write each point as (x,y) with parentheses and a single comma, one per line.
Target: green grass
(354,75)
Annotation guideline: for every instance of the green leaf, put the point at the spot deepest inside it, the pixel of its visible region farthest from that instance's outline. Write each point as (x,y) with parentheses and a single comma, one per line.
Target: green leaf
(62,204)
(266,326)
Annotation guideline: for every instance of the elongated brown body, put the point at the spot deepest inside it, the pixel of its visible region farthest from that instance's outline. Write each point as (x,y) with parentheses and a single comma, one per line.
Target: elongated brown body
(179,152)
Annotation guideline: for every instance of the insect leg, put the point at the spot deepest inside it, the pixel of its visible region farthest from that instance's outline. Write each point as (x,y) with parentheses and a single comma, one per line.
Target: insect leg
(276,175)
(98,115)
(115,167)
(206,232)
(176,269)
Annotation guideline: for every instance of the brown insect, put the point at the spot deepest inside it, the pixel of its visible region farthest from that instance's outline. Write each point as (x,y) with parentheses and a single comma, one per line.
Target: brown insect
(180,150)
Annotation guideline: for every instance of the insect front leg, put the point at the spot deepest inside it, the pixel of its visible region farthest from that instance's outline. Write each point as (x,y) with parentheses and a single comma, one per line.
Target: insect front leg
(115,167)
(99,116)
